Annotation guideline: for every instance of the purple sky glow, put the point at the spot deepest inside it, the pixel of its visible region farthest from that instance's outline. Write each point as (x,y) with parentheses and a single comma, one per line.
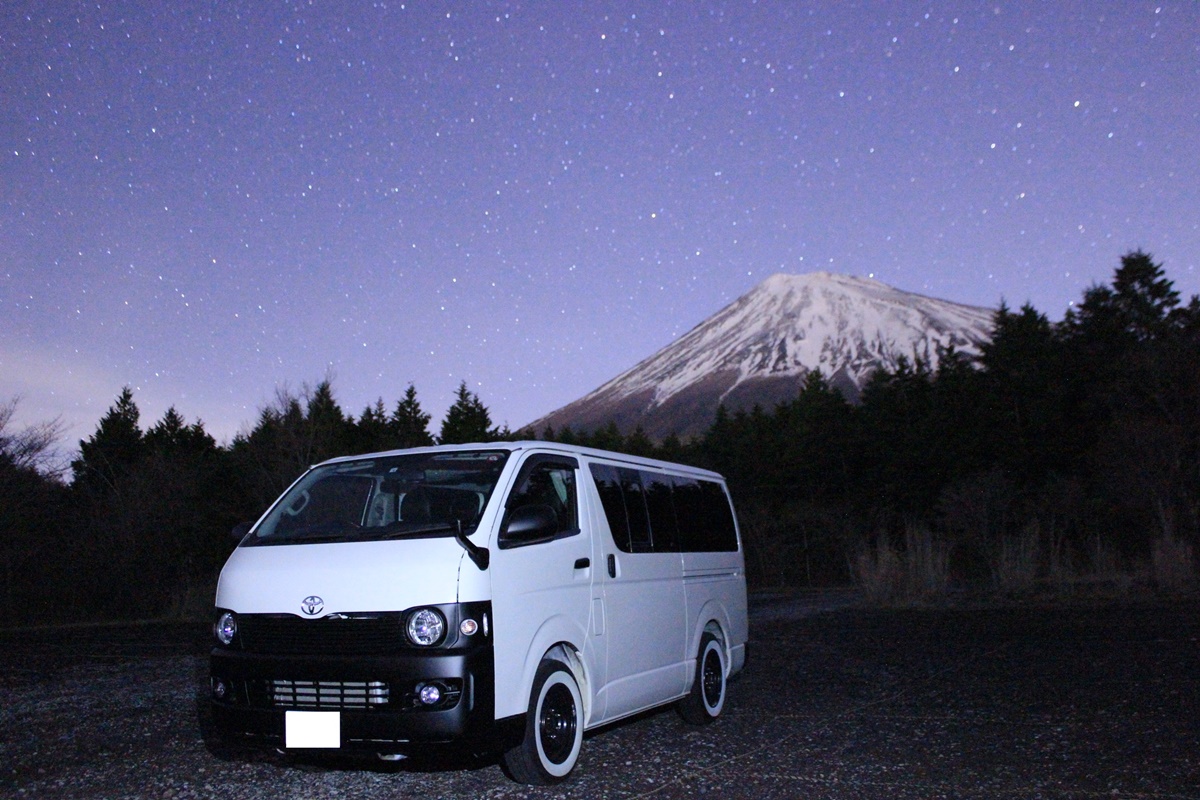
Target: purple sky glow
(207,201)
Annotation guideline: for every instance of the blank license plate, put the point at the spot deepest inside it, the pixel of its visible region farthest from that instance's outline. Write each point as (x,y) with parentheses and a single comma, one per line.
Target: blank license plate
(312,729)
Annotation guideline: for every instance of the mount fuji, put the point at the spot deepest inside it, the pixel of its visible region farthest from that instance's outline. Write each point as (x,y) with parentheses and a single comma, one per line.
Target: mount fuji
(758,350)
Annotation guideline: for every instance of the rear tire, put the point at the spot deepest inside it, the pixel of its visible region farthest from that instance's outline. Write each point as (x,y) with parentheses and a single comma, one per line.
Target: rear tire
(553,728)
(707,698)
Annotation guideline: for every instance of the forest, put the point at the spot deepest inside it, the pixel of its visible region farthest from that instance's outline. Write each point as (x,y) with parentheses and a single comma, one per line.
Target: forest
(1063,459)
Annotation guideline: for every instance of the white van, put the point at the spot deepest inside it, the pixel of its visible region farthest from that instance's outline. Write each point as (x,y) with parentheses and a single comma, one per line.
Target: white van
(504,596)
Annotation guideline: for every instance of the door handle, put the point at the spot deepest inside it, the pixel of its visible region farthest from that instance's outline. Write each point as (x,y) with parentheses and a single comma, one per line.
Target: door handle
(612,565)
(582,563)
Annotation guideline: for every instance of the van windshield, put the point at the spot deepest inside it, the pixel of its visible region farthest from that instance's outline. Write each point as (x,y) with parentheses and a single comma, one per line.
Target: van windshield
(385,497)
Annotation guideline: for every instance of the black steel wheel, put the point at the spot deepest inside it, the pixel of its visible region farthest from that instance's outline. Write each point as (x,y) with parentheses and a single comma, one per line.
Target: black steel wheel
(707,698)
(553,728)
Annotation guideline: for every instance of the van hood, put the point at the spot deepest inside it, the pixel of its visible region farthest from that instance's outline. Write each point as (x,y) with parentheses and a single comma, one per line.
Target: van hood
(316,580)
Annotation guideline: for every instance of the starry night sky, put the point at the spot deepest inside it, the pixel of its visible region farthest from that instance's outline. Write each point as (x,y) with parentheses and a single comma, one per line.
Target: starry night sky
(207,201)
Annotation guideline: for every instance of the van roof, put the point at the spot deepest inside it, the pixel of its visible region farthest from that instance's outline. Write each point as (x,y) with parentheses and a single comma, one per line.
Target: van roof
(590,453)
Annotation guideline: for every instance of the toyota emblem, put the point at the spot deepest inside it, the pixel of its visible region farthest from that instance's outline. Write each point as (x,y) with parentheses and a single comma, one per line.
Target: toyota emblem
(312,605)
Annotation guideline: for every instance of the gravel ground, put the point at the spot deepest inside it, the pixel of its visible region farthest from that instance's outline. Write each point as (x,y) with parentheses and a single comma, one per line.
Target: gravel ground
(838,702)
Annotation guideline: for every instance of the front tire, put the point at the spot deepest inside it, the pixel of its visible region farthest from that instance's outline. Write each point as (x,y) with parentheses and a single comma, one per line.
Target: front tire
(553,728)
(707,698)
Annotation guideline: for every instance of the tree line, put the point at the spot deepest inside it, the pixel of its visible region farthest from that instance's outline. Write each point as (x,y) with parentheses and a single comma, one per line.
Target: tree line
(139,525)
(1065,453)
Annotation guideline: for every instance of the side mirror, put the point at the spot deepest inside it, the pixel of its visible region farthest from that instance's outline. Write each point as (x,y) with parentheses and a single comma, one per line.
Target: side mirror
(529,525)
(240,530)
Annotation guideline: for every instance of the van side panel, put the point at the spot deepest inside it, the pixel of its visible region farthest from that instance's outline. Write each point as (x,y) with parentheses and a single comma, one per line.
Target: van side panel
(677,569)
(541,596)
(539,599)
(646,631)
(643,597)
(715,595)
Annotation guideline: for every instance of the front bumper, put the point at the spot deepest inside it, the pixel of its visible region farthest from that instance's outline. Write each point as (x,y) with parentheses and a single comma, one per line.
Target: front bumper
(376,697)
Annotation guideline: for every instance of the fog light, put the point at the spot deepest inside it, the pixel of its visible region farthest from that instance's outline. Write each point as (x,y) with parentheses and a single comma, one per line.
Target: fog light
(219,689)
(468,627)
(429,694)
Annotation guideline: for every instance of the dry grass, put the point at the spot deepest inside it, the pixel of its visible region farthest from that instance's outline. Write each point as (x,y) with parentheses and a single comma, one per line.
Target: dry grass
(1018,562)
(1173,564)
(915,574)
(1033,563)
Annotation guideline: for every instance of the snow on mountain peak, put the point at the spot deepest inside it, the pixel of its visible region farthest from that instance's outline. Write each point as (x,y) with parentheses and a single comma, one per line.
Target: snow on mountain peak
(791,324)
(786,326)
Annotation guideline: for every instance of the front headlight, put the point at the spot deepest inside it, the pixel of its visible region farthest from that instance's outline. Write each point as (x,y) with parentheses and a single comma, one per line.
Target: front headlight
(426,627)
(225,628)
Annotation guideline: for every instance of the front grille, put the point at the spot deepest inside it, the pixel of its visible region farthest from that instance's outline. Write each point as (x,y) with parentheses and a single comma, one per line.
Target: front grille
(379,634)
(328,695)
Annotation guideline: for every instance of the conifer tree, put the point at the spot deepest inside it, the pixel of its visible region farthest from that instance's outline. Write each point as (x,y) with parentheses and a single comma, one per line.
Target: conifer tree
(328,427)
(1025,408)
(409,424)
(172,435)
(467,420)
(1145,300)
(116,447)
(372,431)
(637,443)
(179,511)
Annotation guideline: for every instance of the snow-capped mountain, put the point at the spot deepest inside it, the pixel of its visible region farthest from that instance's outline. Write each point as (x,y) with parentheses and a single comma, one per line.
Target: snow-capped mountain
(758,349)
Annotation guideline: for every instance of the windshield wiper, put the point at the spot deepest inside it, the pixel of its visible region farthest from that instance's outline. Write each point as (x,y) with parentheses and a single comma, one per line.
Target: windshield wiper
(478,555)
(408,530)
(321,532)
(349,532)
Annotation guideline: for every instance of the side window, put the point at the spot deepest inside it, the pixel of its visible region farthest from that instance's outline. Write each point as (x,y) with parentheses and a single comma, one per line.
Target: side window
(635,507)
(612,498)
(651,512)
(548,485)
(721,533)
(689,511)
(662,512)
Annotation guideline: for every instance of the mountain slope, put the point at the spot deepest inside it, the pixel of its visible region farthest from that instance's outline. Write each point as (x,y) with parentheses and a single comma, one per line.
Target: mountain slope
(758,349)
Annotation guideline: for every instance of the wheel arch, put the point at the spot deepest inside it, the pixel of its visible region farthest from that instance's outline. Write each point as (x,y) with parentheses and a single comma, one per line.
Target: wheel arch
(557,640)
(713,618)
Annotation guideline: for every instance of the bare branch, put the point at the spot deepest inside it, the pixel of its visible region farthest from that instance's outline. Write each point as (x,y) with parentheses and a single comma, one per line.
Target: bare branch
(32,447)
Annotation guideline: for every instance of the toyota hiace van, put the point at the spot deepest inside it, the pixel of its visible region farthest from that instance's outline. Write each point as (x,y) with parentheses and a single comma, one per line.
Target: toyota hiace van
(501,596)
